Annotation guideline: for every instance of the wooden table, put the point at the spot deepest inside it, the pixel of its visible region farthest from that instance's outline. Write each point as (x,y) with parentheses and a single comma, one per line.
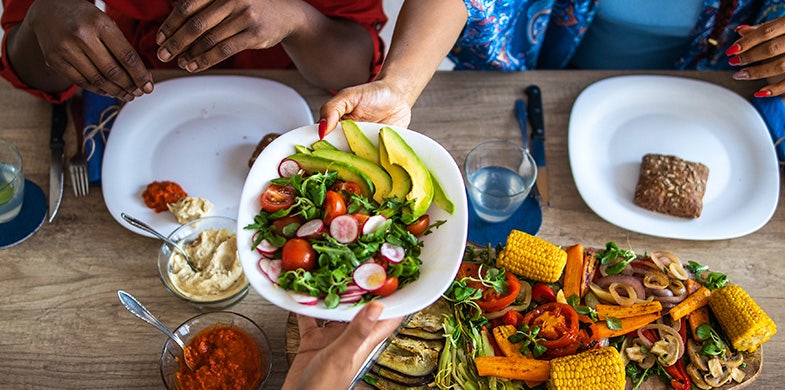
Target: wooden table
(62,326)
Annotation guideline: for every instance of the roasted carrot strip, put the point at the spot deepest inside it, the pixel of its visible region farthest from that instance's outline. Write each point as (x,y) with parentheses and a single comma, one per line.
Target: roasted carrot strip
(573,271)
(520,368)
(589,267)
(615,311)
(627,325)
(501,334)
(697,318)
(694,301)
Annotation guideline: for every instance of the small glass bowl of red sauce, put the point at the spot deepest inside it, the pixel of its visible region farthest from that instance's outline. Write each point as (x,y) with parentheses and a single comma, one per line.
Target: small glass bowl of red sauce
(227,351)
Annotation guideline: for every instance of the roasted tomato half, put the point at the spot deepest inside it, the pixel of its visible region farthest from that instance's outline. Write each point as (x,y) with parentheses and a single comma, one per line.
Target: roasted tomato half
(558,323)
(491,300)
(586,339)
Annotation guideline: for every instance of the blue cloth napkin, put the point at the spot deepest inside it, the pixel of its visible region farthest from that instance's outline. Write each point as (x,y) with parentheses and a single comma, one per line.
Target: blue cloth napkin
(527,218)
(99,114)
(773,112)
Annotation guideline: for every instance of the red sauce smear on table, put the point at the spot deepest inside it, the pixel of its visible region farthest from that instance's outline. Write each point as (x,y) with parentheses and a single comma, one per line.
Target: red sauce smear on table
(160,193)
(224,357)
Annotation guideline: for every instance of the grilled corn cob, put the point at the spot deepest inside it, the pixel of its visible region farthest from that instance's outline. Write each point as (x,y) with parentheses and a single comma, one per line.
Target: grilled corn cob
(745,323)
(532,257)
(594,369)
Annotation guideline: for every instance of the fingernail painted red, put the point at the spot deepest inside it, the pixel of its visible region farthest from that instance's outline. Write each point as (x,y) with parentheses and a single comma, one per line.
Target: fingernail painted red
(734,61)
(762,94)
(322,128)
(741,26)
(734,49)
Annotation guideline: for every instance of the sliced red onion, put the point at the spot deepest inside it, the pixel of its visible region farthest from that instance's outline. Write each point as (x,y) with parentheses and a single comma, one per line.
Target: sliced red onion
(373,223)
(392,253)
(632,281)
(288,168)
(369,276)
(311,229)
(344,228)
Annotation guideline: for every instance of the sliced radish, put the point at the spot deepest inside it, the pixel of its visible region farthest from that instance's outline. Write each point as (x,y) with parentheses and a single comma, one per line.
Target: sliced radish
(304,299)
(344,228)
(373,224)
(271,268)
(311,229)
(392,253)
(288,168)
(350,298)
(369,276)
(266,248)
(352,288)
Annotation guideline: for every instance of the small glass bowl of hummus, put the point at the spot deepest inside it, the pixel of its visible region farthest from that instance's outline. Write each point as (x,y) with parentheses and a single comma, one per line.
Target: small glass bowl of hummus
(211,243)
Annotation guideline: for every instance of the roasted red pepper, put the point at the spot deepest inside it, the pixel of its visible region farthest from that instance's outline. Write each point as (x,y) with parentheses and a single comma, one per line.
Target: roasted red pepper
(587,339)
(679,378)
(491,300)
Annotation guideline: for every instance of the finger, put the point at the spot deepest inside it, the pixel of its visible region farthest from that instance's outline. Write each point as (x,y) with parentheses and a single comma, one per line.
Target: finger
(194,26)
(140,77)
(755,35)
(762,70)
(365,331)
(219,52)
(107,65)
(182,11)
(774,89)
(764,51)
(306,324)
(78,78)
(88,76)
(333,110)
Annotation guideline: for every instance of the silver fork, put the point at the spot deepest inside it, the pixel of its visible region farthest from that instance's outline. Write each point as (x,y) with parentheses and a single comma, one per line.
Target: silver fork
(78,163)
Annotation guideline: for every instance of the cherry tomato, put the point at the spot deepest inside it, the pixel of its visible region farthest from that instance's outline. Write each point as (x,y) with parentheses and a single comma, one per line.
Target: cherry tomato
(491,300)
(280,225)
(361,218)
(298,253)
(334,205)
(586,339)
(558,323)
(277,197)
(543,293)
(346,189)
(419,226)
(389,287)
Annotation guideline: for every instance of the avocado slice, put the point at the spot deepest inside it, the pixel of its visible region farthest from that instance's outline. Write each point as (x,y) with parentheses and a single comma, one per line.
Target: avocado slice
(381,180)
(401,154)
(311,164)
(323,144)
(358,142)
(439,197)
(401,182)
(302,149)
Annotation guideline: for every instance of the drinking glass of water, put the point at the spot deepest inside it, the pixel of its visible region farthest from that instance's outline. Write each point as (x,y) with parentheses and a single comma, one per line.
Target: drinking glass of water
(12,182)
(499,176)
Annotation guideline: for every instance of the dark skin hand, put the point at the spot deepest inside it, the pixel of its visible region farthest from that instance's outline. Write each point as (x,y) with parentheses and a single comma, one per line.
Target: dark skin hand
(201,33)
(761,52)
(66,42)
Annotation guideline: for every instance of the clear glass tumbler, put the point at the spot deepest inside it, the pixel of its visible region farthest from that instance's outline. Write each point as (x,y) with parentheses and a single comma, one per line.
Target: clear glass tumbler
(12,182)
(499,176)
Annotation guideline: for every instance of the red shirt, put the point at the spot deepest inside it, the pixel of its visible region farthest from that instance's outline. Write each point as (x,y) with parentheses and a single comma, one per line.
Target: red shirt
(140,20)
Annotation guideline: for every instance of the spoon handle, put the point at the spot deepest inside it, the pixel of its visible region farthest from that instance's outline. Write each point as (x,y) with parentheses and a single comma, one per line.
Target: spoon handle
(140,311)
(143,226)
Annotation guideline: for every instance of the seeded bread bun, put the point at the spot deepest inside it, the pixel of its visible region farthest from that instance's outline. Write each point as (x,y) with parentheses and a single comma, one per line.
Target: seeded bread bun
(671,185)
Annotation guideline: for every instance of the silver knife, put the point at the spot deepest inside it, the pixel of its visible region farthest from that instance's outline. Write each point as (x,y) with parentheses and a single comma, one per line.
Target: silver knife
(538,139)
(520,113)
(56,145)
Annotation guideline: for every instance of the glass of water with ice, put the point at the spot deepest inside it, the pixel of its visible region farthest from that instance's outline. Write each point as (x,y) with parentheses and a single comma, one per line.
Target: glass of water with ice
(499,176)
(12,182)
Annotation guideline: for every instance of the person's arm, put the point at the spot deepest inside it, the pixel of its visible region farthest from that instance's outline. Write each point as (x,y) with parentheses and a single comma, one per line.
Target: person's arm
(760,51)
(60,43)
(330,356)
(424,34)
(329,52)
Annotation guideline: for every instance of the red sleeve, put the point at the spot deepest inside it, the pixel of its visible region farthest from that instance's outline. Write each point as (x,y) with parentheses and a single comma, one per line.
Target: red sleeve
(368,13)
(14,12)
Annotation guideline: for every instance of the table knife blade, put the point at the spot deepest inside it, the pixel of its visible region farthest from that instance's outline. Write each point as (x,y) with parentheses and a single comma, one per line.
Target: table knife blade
(537,120)
(57,146)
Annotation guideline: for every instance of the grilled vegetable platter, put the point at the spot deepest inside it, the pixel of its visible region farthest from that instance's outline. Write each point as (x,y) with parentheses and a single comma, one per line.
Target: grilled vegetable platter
(531,315)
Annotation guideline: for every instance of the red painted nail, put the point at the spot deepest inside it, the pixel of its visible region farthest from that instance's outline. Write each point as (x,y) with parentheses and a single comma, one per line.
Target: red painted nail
(734,49)
(322,128)
(735,60)
(762,94)
(741,26)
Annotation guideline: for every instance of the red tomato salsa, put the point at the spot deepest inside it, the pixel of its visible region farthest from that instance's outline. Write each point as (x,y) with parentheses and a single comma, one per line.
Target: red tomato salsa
(225,357)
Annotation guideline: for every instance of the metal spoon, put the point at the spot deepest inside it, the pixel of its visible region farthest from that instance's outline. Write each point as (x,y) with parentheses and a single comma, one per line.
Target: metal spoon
(135,307)
(143,226)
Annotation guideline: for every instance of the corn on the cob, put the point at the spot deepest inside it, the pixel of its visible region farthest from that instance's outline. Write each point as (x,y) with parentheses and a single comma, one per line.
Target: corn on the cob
(744,322)
(532,257)
(594,369)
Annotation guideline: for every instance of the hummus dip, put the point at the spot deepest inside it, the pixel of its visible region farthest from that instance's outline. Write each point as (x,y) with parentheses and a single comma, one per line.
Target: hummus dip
(214,253)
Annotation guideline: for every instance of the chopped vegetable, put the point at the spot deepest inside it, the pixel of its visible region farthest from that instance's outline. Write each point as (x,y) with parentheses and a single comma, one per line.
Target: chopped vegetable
(573,271)
(520,368)
(532,257)
(744,322)
(697,318)
(693,301)
(616,311)
(627,325)
(595,369)
(502,334)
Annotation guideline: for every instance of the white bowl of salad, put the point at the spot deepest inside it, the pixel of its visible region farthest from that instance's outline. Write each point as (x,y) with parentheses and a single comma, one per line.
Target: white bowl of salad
(320,239)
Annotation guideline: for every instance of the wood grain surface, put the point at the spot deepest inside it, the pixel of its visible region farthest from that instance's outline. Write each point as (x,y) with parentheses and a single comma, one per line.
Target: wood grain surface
(62,327)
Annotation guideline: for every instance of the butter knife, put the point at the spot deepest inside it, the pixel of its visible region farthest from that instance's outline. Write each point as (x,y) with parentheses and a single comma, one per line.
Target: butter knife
(538,139)
(57,145)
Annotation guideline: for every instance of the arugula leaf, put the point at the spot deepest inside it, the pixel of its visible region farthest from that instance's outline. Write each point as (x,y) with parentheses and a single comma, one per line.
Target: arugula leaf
(616,258)
(613,323)
(574,300)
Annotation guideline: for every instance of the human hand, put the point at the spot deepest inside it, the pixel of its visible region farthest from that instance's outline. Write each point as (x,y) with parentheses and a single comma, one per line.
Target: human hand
(331,355)
(81,43)
(377,101)
(760,49)
(203,33)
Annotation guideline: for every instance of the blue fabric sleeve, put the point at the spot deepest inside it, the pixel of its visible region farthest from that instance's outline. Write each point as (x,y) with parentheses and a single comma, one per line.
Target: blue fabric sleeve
(773,112)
